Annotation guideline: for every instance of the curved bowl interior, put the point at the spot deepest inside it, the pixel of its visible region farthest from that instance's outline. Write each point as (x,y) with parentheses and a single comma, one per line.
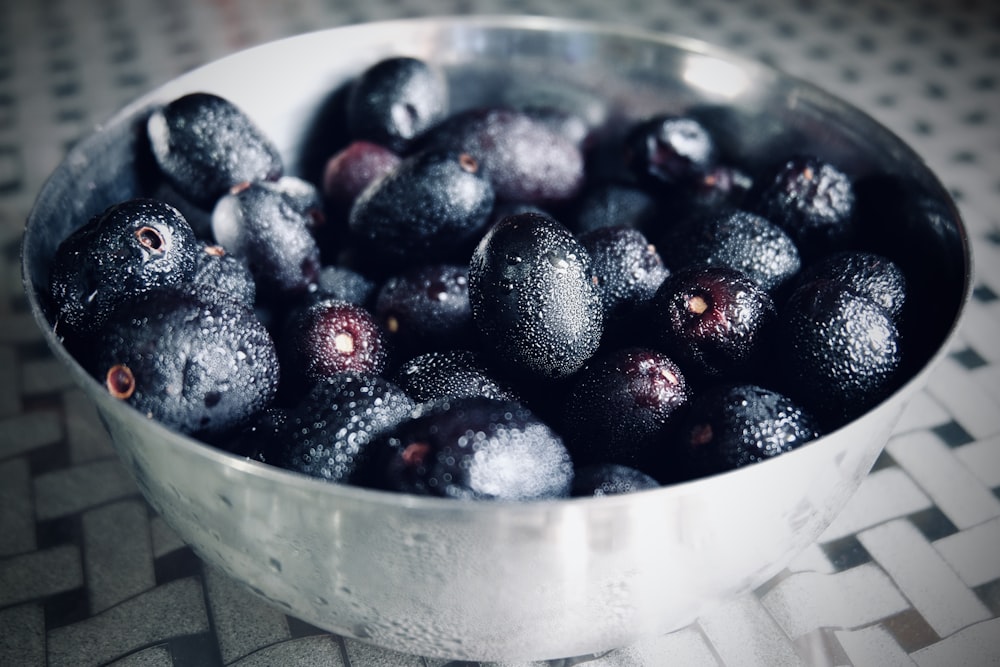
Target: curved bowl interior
(492,581)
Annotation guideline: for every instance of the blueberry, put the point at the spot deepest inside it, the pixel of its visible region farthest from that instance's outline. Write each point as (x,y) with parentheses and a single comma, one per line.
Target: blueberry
(189,357)
(395,100)
(449,374)
(476,449)
(667,151)
(737,239)
(534,298)
(204,145)
(330,431)
(130,247)
(610,479)
(839,351)
(713,320)
(351,169)
(426,308)
(866,273)
(729,426)
(329,337)
(525,159)
(813,201)
(432,205)
(217,268)
(628,268)
(622,405)
(272,233)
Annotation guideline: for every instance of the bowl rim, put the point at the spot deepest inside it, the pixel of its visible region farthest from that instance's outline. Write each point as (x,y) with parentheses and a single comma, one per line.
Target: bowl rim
(242,465)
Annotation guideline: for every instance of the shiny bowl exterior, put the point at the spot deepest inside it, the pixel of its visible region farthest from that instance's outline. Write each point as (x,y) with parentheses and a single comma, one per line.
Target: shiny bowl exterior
(500,581)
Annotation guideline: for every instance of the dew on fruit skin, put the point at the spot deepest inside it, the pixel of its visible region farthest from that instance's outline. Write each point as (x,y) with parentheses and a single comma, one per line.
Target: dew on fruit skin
(557,260)
(437,291)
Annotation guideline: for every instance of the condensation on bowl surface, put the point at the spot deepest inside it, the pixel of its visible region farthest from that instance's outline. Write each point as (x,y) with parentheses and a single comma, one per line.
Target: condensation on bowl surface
(492,581)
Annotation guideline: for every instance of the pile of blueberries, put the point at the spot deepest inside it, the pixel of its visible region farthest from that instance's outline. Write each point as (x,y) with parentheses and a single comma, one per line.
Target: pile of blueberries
(503,302)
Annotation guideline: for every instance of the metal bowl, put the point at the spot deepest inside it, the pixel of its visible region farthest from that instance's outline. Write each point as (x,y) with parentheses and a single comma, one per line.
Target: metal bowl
(510,581)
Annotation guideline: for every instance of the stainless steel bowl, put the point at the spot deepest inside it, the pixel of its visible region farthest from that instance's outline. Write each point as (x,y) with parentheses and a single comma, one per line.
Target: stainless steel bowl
(492,581)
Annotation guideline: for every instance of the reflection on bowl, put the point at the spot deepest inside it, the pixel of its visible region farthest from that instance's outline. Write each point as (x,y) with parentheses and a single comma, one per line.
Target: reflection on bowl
(502,581)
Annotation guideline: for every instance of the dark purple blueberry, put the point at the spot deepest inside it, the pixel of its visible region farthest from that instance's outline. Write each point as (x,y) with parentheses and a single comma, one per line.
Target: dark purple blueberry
(525,159)
(204,145)
(449,374)
(628,268)
(349,171)
(736,239)
(667,151)
(615,205)
(712,320)
(189,357)
(733,425)
(329,337)
(622,405)
(609,479)
(426,308)
(230,274)
(395,100)
(266,227)
(813,201)
(343,284)
(331,429)
(836,351)
(534,297)
(130,247)
(476,449)
(433,204)
(869,274)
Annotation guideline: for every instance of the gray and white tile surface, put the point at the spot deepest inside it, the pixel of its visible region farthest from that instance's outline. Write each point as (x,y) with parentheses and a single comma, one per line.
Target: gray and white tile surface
(909,573)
